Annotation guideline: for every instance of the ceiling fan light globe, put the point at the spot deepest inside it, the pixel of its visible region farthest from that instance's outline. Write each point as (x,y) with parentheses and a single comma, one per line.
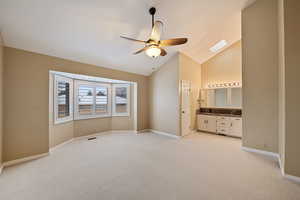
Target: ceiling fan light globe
(153,52)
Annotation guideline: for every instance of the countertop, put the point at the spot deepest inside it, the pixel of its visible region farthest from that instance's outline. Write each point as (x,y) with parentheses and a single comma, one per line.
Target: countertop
(218,114)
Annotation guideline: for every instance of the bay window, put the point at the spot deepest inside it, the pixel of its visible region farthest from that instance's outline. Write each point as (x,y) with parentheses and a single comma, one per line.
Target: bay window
(92,99)
(85,99)
(63,100)
(121,99)
(101,100)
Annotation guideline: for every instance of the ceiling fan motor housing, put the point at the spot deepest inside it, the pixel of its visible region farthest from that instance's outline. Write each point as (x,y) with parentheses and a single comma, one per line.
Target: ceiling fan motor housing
(152,11)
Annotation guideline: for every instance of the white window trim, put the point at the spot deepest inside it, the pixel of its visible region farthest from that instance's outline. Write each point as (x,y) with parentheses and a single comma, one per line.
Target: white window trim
(114,113)
(55,100)
(78,83)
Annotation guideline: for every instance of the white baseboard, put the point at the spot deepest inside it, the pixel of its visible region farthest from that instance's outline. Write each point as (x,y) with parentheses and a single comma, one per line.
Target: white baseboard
(285,175)
(281,165)
(144,131)
(292,178)
(277,157)
(60,145)
(266,153)
(165,134)
(122,131)
(91,135)
(21,160)
(88,136)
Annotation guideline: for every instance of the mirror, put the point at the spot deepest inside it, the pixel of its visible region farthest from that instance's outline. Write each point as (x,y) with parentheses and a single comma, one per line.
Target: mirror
(221,98)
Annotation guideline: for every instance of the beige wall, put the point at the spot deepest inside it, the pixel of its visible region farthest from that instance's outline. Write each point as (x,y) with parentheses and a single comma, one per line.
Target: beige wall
(191,70)
(292,83)
(91,126)
(1,98)
(60,133)
(224,67)
(26,127)
(260,75)
(164,98)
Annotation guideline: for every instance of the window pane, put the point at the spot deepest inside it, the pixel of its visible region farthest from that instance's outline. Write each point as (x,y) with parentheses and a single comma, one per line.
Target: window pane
(85,100)
(121,100)
(63,99)
(101,100)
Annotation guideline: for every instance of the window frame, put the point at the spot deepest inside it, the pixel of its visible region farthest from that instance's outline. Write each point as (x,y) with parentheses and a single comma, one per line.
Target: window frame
(58,120)
(114,113)
(94,85)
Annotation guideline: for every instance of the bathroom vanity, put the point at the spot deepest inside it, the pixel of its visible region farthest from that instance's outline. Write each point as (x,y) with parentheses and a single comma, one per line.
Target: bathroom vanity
(220,121)
(220,111)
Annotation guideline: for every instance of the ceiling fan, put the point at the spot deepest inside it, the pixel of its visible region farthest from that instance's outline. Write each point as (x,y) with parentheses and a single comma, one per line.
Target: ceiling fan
(153,46)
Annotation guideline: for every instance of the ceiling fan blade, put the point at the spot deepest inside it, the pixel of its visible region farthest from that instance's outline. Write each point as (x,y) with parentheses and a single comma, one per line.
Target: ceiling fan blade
(141,50)
(173,42)
(163,52)
(131,39)
(156,31)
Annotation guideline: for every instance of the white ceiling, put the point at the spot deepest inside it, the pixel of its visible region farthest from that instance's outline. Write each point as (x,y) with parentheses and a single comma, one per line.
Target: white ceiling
(88,31)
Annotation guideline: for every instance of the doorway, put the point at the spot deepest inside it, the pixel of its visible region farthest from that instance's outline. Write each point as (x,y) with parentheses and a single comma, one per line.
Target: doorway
(185,111)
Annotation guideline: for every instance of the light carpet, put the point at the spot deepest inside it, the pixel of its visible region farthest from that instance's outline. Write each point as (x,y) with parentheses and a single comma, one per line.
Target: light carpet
(127,166)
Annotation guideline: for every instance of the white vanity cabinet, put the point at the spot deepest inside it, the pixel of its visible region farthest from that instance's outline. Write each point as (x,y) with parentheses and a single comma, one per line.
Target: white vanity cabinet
(231,126)
(207,123)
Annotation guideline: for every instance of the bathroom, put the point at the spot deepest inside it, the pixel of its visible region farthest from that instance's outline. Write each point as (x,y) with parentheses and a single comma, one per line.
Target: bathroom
(220,96)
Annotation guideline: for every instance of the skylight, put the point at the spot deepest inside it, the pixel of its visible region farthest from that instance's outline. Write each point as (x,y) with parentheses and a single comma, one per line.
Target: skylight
(221,44)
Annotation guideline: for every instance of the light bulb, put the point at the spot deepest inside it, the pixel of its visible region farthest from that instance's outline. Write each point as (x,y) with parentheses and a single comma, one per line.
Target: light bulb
(153,51)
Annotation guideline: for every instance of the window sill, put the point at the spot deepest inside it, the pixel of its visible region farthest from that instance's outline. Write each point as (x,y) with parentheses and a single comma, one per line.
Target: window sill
(62,121)
(121,115)
(90,117)
(102,116)
(77,118)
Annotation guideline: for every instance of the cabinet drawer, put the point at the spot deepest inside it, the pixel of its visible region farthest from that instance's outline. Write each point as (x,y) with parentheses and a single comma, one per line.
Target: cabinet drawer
(223,123)
(221,118)
(223,130)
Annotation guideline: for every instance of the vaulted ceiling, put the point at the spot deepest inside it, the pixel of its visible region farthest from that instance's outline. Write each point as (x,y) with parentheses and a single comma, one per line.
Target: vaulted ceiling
(88,31)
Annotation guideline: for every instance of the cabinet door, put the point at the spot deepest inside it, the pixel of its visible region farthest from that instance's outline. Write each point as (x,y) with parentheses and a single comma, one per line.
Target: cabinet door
(201,122)
(211,124)
(236,127)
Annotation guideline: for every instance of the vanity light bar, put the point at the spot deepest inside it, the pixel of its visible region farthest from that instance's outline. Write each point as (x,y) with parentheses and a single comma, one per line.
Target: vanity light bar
(224,85)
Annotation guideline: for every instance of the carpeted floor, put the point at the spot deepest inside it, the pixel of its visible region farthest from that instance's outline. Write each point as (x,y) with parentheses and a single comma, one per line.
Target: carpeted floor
(126,166)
